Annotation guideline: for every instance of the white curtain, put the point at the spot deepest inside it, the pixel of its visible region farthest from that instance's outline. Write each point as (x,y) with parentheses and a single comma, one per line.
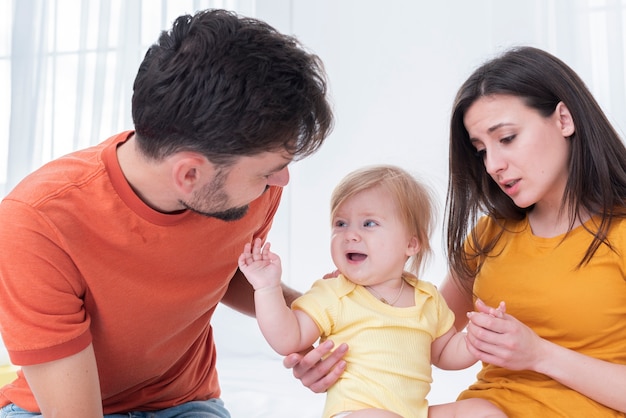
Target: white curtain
(71,65)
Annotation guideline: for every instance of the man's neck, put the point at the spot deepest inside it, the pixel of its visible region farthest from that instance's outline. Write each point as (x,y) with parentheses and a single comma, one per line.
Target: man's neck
(148,179)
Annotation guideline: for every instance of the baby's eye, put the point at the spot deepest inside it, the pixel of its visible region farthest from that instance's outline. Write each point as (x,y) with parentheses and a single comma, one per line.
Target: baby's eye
(370,224)
(340,224)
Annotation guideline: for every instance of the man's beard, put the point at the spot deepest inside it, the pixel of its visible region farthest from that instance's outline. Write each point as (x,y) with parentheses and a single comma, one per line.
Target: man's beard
(214,192)
(232,214)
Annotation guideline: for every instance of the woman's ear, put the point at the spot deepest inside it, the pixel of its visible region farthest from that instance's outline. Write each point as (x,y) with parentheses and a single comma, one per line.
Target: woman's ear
(565,120)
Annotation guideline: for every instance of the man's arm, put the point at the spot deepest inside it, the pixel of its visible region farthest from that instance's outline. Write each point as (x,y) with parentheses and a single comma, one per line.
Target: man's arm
(67,388)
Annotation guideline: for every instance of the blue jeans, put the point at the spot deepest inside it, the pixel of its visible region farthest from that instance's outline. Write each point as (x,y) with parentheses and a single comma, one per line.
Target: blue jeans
(213,408)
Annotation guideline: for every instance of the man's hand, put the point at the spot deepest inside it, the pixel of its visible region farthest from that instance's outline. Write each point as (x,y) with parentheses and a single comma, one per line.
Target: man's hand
(314,369)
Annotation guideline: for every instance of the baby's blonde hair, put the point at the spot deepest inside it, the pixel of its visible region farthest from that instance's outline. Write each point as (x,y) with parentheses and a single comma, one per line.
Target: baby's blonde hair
(413,201)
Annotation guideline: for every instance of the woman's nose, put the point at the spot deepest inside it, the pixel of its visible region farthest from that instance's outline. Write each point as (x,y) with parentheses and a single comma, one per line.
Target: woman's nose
(494,161)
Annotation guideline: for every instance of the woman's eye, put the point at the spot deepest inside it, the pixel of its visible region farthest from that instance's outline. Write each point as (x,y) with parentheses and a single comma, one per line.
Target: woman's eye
(507,139)
(480,153)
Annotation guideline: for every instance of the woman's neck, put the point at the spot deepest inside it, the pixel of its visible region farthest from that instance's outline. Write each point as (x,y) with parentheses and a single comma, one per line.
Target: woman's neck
(548,223)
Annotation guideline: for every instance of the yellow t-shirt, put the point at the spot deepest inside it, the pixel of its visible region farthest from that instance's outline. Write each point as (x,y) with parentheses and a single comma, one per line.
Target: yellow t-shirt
(389,357)
(581,309)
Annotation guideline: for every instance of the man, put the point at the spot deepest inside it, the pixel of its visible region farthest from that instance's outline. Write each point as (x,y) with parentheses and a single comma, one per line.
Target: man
(113,258)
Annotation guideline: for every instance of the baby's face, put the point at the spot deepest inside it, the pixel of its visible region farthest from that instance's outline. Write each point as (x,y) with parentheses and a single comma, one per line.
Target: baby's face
(369,242)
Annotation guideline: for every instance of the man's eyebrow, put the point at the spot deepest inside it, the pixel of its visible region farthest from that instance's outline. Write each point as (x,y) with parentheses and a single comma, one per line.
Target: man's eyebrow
(281,166)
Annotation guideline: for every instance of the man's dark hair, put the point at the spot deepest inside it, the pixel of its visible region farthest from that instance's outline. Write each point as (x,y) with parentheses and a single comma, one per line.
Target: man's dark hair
(227,86)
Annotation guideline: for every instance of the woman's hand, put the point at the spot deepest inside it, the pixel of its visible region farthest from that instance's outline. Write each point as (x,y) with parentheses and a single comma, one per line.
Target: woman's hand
(504,341)
(498,338)
(314,369)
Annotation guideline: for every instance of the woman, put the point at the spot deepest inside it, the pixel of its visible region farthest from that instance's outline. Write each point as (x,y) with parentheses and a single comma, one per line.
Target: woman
(538,177)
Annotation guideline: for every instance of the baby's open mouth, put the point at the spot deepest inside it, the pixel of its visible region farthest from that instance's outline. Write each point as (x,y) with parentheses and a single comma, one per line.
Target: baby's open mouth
(356,256)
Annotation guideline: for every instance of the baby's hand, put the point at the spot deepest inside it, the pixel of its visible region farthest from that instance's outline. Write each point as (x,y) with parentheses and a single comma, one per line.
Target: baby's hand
(261,267)
(486,309)
(499,311)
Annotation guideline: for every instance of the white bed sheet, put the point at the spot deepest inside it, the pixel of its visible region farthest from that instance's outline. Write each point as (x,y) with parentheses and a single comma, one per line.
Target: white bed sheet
(256,385)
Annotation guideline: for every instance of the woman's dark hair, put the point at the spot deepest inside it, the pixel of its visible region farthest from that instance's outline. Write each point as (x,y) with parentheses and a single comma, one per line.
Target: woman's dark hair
(597,163)
(227,86)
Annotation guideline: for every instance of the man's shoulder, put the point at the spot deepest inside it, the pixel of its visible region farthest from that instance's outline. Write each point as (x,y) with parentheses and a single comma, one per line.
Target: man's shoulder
(73,171)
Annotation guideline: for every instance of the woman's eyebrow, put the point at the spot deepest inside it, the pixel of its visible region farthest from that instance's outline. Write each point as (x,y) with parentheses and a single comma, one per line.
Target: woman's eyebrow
(498,126)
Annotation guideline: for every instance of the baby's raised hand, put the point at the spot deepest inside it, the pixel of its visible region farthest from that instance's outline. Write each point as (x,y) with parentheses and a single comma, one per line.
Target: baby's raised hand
(261,267)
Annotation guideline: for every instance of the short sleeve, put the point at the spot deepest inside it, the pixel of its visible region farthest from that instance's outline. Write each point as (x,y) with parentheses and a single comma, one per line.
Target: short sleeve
(41,293)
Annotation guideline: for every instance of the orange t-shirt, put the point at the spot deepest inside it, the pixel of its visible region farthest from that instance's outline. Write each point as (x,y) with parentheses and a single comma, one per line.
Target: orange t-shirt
(84,260)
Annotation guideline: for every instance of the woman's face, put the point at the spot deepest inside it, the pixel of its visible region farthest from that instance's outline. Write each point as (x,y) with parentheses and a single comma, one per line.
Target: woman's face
(524,152)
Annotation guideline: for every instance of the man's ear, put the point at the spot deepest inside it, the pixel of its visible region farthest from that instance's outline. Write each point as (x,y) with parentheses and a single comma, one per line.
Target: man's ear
(413,247)
(190,171)
(565,120)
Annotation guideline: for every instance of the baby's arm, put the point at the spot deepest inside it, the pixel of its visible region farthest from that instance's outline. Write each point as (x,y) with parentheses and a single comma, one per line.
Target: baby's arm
(449,352)
(285,330)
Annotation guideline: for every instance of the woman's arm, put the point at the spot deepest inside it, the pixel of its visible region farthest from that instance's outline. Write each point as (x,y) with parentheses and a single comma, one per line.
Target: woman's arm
(68,387)
(506,342)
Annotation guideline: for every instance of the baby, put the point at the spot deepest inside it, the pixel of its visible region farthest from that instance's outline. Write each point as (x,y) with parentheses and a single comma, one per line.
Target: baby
(396,325)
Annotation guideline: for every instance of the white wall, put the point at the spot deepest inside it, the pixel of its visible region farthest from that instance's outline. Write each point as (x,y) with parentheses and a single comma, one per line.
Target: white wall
(394,68)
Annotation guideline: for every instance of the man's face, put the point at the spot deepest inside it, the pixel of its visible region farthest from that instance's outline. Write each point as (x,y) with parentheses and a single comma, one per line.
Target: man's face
(228,193)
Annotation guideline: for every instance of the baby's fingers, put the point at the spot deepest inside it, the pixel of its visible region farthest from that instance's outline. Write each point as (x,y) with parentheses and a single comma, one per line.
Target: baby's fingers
(266,250)
(244,259)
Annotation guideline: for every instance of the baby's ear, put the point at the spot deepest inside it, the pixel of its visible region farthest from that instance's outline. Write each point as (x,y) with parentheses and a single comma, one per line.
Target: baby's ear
(413,247)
